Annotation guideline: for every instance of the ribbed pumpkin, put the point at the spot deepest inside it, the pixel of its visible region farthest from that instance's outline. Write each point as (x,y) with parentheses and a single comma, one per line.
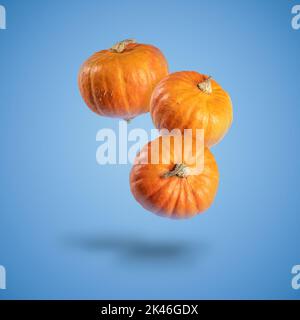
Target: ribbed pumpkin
(190,100)
(118,82)
(170,188)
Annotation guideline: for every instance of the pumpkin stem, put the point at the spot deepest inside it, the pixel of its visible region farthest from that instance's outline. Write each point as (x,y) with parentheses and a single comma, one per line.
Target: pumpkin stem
(119,47)
(205,86)
(180,170)
(128,120)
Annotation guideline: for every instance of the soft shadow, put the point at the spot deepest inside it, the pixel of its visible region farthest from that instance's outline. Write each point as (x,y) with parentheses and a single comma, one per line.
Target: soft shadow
(137,249)
(98,243)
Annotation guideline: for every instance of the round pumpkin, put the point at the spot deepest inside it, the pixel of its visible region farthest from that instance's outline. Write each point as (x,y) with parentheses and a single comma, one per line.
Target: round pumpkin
(190,100)
(171,188)
(118,82)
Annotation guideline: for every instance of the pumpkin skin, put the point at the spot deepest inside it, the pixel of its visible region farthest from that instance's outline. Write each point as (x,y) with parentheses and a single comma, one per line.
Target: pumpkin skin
(181,195)
(190,100)
(118,82)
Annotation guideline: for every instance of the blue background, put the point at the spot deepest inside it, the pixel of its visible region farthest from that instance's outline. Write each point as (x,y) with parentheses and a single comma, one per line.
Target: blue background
(69,228)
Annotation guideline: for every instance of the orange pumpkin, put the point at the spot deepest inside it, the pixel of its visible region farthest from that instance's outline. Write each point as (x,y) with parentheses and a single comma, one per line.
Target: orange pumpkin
(171,188)
(190,100)
(118,82)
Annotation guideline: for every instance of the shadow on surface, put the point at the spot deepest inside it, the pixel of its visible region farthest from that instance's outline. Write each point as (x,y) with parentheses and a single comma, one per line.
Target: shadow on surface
(136,249)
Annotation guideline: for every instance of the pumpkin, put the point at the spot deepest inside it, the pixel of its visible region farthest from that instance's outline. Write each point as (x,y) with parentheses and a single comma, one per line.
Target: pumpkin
(171,188)
(190,100)
(118,82)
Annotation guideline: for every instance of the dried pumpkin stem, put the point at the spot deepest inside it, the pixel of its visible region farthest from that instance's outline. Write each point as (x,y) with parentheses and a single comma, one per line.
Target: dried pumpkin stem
(119,47)
(205,86)
(180,170)
(128,120)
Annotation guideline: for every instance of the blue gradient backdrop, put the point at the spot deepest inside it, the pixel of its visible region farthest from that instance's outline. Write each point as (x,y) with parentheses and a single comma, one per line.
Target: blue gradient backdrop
(70,228)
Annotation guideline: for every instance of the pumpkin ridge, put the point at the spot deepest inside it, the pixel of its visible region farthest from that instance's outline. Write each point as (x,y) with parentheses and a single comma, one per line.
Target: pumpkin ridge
(92,76)
(179,210)
(91,90)
(90,97)
(156,190)
(144,171)
(113,107)
(192,111)
(183,211)
(181,109)
(173,211)
(193,193)
(220,108)
(162,204)
(201,186)
(122,88)
(208,128)
(201,183)
(175,196)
